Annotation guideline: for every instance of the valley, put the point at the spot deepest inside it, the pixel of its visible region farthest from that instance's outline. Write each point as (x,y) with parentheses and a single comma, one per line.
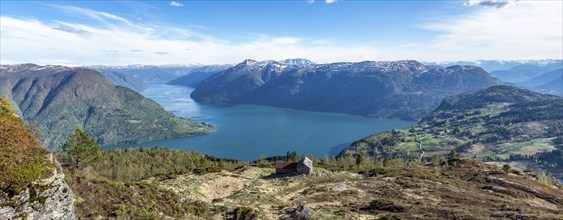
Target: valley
(247,132)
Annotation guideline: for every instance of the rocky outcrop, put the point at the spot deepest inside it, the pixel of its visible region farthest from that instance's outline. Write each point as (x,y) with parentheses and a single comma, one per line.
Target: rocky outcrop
(49,198)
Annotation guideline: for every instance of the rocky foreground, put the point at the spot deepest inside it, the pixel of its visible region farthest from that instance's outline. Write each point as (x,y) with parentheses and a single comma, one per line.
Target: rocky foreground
(48,198)
(446,191)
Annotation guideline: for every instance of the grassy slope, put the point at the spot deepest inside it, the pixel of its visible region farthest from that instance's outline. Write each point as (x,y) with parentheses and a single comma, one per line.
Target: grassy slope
(490,124)
(372,189)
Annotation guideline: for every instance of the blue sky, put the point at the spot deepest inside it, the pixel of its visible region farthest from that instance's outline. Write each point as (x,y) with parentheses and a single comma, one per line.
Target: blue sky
(213,32)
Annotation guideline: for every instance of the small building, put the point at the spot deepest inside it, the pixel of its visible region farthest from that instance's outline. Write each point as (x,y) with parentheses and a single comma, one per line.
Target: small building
(283,167)
(304,166)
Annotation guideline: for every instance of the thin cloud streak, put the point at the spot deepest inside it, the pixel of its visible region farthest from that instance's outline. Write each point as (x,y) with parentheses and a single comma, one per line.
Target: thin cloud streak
(490,3)
(97,15)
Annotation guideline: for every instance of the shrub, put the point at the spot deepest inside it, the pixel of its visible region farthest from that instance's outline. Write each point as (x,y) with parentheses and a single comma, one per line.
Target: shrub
(453,155)
(545,179)
(385,204)
(198,208)
(245,213)
(141,163)
(22,158)
(506,168)
(129,211)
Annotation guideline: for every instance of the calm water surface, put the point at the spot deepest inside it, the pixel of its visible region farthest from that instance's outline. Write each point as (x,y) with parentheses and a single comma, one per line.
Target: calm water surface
(246,132)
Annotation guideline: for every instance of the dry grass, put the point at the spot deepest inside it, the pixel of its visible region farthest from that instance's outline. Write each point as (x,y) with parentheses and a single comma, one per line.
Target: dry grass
(412,192)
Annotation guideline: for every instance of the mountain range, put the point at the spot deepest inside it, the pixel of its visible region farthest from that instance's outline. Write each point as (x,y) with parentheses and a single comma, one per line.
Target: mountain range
(523,72)
(57,100)
(123,79)
(493,65)
(195,78)
(549,82)
(158,74)
(540,75)
(402,89)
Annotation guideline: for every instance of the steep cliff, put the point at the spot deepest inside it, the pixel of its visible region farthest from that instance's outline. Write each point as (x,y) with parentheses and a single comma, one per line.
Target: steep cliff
(32,184)
(49,198)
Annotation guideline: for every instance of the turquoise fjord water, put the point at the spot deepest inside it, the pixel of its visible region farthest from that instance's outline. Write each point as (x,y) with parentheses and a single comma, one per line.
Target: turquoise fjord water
(247,132)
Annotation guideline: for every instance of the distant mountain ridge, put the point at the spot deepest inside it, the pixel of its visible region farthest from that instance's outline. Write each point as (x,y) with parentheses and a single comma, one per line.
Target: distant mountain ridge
(554,87)
(493,65)
(125,80)
(158,74)
(523,72)
(550,82)
(386,89)
(59,99)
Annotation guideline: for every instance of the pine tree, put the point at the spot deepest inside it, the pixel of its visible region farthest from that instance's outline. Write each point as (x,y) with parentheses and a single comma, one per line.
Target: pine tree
(326,161)
(296,156)
(359,159)
(82,150)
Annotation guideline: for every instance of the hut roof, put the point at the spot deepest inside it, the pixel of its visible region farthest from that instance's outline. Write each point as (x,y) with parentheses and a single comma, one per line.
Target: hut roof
(285,165)
(306,161)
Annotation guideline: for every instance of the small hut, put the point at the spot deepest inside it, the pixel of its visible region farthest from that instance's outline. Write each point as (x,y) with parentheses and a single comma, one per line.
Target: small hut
(304,166)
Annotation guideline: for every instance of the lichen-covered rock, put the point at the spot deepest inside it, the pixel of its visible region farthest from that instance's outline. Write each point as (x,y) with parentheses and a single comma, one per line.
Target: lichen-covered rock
(49,198)
(339,187)
(303,212)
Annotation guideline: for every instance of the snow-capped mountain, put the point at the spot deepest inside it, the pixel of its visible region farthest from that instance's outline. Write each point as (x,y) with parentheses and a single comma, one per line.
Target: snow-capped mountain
(404,89)
(297,61)
(29,67)
(494,65)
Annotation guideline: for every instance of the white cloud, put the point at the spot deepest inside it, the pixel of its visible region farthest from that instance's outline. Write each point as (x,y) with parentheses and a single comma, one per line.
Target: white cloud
(310,1)
(176,4)
(97,15)
(330,1)
(120,45)
(521,31)
(490,3)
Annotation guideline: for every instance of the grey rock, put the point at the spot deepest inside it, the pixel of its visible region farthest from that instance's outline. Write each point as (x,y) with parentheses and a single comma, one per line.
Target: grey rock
(303,212)
(52,199)
(339,187)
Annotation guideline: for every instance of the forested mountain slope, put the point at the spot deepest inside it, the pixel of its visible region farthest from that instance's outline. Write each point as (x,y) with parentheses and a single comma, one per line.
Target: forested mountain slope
(57,100)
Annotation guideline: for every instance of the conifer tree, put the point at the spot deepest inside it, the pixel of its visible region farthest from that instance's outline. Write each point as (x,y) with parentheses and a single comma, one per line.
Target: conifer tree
(82,150)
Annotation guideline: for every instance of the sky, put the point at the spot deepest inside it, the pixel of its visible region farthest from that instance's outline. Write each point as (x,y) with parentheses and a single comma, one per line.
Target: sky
(107,32)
